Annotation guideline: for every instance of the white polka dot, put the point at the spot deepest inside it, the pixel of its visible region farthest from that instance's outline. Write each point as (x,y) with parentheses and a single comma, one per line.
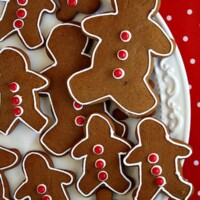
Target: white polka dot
(196,163)
(189,11)
(185,38)
(190,86)
(198,193)
(192,61)
(169,18)
(198,104)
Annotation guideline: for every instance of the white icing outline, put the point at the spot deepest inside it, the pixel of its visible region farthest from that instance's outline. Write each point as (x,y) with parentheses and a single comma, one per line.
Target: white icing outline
(99,146)
(156,166)
(150,52)
(102,160)
(4,8)
(155,161)
(63,184)
(81,106)
(122,76)
(38,26)
(20,100)
(22,111)
(85,157)
(7,167)
(105,173)
(42,185)
(122,59)
(139,164)
(33,92)
(128,33)
(18,87)
(49,96)
(80,116)
(72,6)
(25,11)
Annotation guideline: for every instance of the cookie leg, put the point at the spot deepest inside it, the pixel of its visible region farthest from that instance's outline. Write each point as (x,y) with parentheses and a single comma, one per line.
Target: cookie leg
(86,186)
(121,185)
(181,190)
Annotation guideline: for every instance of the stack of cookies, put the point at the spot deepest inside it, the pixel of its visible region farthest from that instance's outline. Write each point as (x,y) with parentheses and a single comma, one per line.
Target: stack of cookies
(106,59)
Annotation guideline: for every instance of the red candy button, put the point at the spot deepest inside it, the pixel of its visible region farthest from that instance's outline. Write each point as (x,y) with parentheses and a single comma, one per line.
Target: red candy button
(72,3)
(118,73)
(100,164)
(79,121)
(98,149)
(122,54)
(156,170)
(14,87)
(153,158)
(41,189)
(77,106)
(16,100)
(47,197)
(103,176)
(125,36)
(21,13)
(22,2)
(160,181)
(18,111)
(18,23)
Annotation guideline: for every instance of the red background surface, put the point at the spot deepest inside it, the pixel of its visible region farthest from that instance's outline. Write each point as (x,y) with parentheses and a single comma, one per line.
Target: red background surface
(183,19)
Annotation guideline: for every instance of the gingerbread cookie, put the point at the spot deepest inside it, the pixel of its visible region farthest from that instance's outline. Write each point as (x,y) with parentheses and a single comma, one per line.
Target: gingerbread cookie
(19,87)
(158,157)
(104,194)
(9,158)
(24,17)
(43,181)
(101,151)
(69,115)
(70,8)
(122,61)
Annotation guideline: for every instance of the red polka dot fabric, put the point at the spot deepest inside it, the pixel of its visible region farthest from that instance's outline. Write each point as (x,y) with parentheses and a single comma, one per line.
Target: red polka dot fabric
(183,19)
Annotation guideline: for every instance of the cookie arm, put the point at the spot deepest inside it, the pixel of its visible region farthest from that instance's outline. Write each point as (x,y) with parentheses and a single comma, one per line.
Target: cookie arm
(80,150)
(134,156)
(182,148)
(66,177)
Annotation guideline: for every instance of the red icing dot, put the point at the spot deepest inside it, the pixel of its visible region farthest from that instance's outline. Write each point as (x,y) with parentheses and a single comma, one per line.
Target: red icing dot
(22,2)
(72,3)
(125,36)
(18,23)
(16,100)
(100,164)
(156,170)
(14,87)
(160,181)
(77,106)
(118,73)
(41,189)
(122,54)
(103,176)
(98,149)
(47,197)
(17,111)
(21,13)
(153,158)
(80,120)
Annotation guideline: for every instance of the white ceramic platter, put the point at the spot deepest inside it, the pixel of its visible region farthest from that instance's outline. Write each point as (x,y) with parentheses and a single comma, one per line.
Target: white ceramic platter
(171,83)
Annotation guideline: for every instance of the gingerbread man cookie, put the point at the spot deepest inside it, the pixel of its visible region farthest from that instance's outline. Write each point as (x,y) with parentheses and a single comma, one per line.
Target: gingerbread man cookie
(70,8)
(158,157)
(67,41)
(24,17)
(104,194)
(9,158)
(43,181)
(101,151)
(122,61)
(19,87)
